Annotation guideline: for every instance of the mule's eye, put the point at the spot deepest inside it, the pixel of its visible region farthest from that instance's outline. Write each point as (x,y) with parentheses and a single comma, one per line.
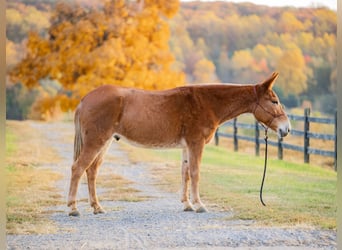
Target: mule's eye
(275,102)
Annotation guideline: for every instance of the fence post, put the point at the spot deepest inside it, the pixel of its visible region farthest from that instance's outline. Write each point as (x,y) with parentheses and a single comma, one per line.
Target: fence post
(216,137)
(257,143)
(280,148)
(236,147)
(335,163)
(306,136)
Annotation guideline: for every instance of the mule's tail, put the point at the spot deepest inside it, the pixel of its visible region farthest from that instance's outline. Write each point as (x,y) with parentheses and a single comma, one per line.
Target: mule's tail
(78,142)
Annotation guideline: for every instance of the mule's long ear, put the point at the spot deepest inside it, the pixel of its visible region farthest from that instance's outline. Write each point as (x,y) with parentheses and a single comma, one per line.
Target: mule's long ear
(268,83)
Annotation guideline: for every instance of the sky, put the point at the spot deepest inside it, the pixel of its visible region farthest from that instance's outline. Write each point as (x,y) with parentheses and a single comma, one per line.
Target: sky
(332,4)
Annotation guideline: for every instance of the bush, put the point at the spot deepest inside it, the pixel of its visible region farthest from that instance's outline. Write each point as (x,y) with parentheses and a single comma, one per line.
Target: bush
(19,100)
(328,104)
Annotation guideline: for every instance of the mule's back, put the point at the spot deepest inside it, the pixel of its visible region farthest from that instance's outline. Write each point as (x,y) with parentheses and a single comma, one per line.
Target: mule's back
(148,118)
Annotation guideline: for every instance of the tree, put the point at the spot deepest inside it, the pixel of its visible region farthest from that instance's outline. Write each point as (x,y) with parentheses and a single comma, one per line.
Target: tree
(223,69)
(23,19)
(242,62)
(260,52)
(18,101)
(292,79)
(304,41)
(124,43)
(242,59)
(274,54)
(324,20)
(13,53)
(204,72)
(288,23)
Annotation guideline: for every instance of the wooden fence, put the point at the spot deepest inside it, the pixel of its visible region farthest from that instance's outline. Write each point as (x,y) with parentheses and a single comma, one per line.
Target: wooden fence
(305,134)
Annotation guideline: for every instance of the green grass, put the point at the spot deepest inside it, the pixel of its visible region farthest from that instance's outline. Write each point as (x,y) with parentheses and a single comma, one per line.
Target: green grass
(295,194)
(10,141)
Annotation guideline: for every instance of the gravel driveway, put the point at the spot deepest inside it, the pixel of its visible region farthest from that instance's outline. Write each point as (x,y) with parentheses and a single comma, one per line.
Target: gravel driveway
(156,223)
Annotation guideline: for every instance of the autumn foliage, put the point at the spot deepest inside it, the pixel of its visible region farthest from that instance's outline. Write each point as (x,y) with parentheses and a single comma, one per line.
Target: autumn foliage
(246,42)
(58,52)
(120,42)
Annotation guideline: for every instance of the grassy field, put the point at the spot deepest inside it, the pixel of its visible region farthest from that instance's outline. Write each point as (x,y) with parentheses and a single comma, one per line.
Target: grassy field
(295,194)
(30,189)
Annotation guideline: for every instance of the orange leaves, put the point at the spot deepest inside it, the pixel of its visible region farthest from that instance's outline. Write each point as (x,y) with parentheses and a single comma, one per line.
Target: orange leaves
(125,43)
(36,46)
(167,7)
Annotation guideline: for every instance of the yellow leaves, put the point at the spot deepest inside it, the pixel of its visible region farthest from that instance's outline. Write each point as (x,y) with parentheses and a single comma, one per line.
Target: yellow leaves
(118,45)
(242,59)
(21,18)
(36,19)
(67,103)
(147,20)
(204,72)
(293,79)
(289,23)
(167,7)
(13,53)
(37,47)
(260,52)
(44,108)
(304,40)
(13,17)
(325,21)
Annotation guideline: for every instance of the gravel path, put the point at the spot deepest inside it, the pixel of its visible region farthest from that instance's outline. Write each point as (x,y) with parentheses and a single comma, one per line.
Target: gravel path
(158,223)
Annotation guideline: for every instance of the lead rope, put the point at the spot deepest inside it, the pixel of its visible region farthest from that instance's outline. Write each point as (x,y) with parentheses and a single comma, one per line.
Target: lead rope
(263,177)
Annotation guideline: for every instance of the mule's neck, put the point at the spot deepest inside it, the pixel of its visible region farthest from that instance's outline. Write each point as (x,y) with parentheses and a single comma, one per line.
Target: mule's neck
(230,101)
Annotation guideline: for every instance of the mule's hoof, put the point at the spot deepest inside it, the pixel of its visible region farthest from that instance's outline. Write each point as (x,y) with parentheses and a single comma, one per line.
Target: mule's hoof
(188,209)
(74,213)
(201,210)
(99,211)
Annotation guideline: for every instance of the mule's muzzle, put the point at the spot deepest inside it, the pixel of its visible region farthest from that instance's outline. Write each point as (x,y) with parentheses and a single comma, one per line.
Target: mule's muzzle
(284,130)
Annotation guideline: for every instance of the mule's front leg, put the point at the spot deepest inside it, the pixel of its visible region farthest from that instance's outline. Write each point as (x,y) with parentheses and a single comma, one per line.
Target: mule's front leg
(185,182)
(195,156)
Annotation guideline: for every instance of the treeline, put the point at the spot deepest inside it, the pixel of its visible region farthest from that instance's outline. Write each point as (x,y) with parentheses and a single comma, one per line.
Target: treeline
(210,41)
(229,42)
(21,18)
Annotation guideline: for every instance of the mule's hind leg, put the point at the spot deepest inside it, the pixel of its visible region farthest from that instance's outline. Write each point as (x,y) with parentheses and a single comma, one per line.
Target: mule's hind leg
(185,181)
(91,176)
(85,159)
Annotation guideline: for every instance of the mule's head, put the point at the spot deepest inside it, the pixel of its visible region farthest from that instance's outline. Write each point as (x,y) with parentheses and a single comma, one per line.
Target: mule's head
(268,110)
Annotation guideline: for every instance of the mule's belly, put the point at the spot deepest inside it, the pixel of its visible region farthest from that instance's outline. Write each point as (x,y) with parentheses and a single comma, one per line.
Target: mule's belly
(156,144)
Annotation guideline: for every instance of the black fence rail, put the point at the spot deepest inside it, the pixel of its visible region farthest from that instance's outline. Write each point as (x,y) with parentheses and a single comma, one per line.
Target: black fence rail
(307,149)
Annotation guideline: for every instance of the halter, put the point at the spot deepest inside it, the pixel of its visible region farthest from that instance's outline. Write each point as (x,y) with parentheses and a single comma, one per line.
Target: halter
(258,105)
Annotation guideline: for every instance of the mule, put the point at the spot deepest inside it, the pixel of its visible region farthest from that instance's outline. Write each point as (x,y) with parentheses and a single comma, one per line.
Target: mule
(184,117)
